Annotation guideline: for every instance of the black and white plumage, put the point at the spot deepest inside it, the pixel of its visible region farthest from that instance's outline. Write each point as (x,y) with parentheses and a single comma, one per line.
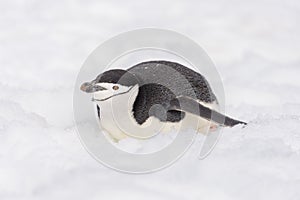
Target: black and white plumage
(164,91)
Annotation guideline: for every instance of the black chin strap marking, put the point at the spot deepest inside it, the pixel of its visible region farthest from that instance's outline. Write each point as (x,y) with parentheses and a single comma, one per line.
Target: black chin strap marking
(93,99)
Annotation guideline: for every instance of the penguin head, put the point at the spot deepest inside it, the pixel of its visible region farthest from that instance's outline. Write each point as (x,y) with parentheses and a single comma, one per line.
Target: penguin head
(109,84)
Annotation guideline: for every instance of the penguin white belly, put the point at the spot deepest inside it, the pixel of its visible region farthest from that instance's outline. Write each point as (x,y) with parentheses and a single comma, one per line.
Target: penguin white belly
(118,121)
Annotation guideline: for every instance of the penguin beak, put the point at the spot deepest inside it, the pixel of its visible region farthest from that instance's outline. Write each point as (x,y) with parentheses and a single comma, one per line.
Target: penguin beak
(90,87)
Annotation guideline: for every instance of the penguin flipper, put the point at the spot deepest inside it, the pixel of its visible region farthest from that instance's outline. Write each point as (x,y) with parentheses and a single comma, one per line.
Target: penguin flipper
(187,104)
(98,111)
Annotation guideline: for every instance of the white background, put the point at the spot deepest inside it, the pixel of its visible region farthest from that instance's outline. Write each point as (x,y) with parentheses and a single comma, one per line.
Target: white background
(255,45)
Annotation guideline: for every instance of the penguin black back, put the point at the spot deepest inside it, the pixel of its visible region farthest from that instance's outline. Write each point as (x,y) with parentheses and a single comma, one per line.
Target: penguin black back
(180,79)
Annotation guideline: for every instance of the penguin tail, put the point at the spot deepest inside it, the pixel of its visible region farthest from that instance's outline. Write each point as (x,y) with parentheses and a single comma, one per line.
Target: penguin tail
(189,105)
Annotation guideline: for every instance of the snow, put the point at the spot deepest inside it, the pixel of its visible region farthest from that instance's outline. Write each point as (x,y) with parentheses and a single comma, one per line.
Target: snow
(255,45)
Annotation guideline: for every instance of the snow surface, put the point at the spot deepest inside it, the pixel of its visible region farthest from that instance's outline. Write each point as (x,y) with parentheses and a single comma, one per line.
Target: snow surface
(256,47)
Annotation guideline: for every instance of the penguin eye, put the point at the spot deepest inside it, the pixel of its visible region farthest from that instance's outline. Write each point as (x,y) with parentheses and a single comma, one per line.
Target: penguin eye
(115,87)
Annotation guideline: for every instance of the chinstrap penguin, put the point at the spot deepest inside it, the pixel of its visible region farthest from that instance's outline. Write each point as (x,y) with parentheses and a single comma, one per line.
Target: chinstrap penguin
(154,97)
